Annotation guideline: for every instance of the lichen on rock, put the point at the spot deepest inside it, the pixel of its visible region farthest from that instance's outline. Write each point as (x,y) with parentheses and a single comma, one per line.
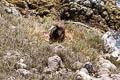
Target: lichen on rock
(102,14)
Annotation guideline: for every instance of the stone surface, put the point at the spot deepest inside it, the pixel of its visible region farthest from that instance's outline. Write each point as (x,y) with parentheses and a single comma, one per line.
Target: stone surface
(12,54)
(118,3)
(115,76)
(23,71)
(54,63)
(12,10)
(77,65)
(11,78)
(34,70)
(102,13)
(41,7)
(83,75)
(103,63)
(89,67)
(112,46)
(20,64)
(59,48)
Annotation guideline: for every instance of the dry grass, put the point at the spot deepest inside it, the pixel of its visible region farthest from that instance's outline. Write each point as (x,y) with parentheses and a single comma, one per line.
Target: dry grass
(30,39)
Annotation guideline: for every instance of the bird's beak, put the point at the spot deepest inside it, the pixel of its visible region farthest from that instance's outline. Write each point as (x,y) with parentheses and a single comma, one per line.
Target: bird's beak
(52,27)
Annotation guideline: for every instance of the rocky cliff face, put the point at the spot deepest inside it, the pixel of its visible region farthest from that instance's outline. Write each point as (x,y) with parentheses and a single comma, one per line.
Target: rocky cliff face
(102,14)
(34,7)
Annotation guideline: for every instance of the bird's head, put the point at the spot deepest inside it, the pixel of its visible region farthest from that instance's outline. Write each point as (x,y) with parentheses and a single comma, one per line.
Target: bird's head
(52,28)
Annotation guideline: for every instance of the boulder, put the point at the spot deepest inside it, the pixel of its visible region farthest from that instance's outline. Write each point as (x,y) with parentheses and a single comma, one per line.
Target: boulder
(12,10)
(59,48)
(11,54)
(23,71)
(115,76)
(54,63)
(77,65)
(20,64)
(11,78)
(41,7)
(103,63)
(112,46)
(34,70)
(103,14)
(83,75)
(89,67)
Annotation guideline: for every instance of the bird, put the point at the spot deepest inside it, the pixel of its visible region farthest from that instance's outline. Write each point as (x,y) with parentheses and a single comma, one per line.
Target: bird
(57,32)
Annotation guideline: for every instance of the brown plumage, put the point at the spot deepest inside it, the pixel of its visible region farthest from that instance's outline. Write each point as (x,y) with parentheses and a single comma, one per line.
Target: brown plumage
(57,33)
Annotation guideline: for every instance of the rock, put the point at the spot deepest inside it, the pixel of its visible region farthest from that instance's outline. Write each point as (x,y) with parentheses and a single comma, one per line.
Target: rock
(115,76)
(103,63)
(89,67)
(73,10)
(12,10)
(59,48)
(111,38)
(20,65)
(77,65)
(62,71)
(111,43)
(8,10)
(118,3)
(106,78)
(21,4)
(12,27)
(83,75)
(41,8)
(103,72)
(87,3)
(12,54)
(11,78)
(54,63)
(23,71)
(34,70)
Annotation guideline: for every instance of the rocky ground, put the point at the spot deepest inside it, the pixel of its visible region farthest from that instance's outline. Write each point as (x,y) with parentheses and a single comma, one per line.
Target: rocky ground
(90,51)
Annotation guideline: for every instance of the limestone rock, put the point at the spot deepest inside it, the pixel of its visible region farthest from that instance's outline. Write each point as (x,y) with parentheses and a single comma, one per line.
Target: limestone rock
(87,3)
(111,43)
(106,9)
(89,67)
(11,78)
(12,54)
(115,76)
(34,70)
(77,65)
(41,7)
(12,10)
(20,4)
(23,71)
(54,63)
(20,65)
(103,63)
(83,75)
(58,48)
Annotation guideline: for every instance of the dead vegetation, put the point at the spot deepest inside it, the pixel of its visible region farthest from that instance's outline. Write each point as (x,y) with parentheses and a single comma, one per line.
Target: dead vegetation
(30,38)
